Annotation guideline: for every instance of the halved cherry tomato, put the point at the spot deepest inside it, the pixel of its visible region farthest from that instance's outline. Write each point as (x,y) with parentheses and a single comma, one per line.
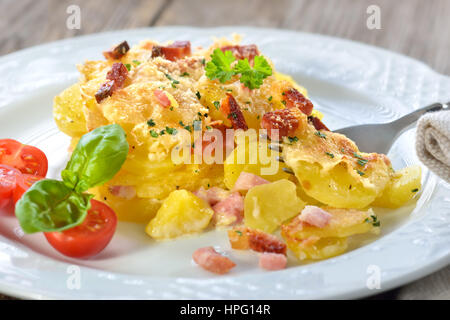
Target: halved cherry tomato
(24,182)
(88,238)
(8,181)
(27,159)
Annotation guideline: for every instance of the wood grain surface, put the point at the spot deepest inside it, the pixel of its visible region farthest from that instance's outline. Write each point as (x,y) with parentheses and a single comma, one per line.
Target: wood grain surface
(417,28)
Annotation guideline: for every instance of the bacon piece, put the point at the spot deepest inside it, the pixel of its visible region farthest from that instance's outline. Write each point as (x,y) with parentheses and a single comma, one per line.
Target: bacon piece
(162,98)
(209,259)
(230,210)
(242,52)
(294,99)
(116,78)
(118,74)
(231,109)
(317,123)
(118,51)
(212,195)
(283,120)
(125,192)
(177,50)
(263,242)
(272,261)
(247,181)
(315,216)
(243,238)
(104,91)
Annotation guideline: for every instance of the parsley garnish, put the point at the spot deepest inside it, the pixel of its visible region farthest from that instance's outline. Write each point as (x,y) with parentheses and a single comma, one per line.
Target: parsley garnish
(220,66)
(320,134)
(252,77)
(151,123)
(153,133)
(128,66)
(329,154)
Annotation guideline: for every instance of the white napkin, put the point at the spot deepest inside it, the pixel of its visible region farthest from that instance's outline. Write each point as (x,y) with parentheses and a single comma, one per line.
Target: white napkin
(433,142)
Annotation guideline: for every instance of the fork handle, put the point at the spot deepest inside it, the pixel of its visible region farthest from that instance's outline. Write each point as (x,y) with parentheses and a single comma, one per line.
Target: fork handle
(405,122)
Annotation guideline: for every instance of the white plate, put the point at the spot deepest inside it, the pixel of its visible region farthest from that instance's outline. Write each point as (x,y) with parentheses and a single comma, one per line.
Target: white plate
(352,83)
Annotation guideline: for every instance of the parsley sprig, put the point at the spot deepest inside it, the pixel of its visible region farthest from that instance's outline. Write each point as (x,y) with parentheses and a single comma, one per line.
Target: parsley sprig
(252,77)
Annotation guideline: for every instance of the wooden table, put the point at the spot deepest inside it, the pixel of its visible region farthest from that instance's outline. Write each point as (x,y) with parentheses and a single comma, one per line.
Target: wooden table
(416,28)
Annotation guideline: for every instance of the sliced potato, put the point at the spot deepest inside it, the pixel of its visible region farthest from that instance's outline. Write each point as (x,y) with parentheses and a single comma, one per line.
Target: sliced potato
(267,206)
(402,188)
(181,213)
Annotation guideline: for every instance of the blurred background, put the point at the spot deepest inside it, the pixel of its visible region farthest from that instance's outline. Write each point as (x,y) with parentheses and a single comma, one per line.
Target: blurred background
(417,28)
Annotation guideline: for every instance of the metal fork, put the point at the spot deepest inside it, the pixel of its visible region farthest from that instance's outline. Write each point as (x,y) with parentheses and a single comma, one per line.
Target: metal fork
(380,137)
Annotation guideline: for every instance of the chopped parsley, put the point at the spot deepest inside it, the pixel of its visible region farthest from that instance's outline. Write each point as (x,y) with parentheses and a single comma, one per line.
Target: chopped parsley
(329,154)
(151,123)
(292,139)
(232,115)
(360,173)
(153,133)
(174,81)
(203,61)
(171,131)
(128,66)
(283,102)
(239,233)
(374,220)
(208,127)
(199,96)
(415,190)
(217,104)
(320,134)
(185,74)
(270,98)
(136,62)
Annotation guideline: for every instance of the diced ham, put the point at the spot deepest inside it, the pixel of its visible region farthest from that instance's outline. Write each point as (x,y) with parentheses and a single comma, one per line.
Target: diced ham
(315,216)
(243,238)
(317,123)
(242,52)
(230,210)
(177,50)
(232,111)
(294,99)
(280,123)
(162,98)
(272,261)
(125,192)
(209,259)
(116,77)
(212,195)
(247,181)
(118,51)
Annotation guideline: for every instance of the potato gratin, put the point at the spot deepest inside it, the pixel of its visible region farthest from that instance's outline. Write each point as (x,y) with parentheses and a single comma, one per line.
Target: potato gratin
(318,196)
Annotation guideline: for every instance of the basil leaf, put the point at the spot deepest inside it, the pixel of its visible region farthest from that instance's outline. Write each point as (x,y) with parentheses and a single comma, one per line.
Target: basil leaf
(49,205)
(97,157)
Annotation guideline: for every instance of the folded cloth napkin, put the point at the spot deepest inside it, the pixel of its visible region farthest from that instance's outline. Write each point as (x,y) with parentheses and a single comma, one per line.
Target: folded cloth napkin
(433,142)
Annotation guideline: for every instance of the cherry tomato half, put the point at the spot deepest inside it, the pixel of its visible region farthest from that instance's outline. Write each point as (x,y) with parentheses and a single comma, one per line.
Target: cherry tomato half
(27,159)
(24,182)
(8,181)
(88,238)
